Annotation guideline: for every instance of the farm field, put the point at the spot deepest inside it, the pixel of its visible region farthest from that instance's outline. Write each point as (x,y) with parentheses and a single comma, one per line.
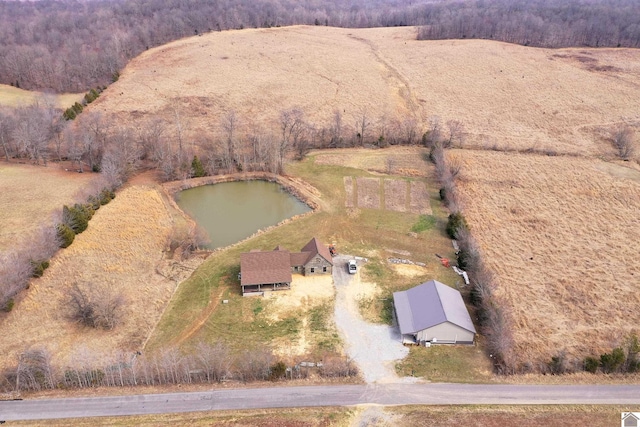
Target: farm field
(27,200)
(120,250)
(562,236)
(14,97)
(567,99)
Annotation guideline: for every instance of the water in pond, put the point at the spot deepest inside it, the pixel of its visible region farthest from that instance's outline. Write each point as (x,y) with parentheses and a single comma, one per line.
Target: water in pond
(233,211)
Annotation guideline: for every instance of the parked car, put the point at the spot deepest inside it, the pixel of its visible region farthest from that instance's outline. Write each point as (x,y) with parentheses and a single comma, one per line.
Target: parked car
(353,267)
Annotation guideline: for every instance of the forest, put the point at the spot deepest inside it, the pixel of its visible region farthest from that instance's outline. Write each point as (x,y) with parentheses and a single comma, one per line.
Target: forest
(72,46)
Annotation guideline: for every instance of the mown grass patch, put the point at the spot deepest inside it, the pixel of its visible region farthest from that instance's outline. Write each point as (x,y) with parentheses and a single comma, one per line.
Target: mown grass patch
(447,363)
(425,222)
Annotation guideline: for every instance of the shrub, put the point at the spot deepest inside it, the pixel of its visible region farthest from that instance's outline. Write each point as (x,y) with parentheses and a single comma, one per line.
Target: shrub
(8,306)
(69,114)
(65,235)
(77,108)
(557,365)
(456,222)
(86,209)
(197,170)
(591,364)
(106,196)
(277,371)
(96,306)
(463,259)
(39,267)
(611,362)
(75,218)
(94,201)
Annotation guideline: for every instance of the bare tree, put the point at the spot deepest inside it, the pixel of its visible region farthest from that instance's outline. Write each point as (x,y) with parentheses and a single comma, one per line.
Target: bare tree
(336,130)
(254,365)
(97,306)
(623,141)
(291,127)
(215,360)
(6,131)
(362,125)
(456,134)
(32,132)
(34,370)
(150,135)
(409,126)
(230,125)
(434,132)
(92,133)
(121,158)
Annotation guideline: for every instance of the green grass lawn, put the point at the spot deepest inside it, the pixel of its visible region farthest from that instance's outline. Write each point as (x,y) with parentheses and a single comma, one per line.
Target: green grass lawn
(447,363)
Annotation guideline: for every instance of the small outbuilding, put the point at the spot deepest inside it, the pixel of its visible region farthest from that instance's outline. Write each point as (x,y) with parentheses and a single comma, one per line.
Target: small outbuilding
(435,313)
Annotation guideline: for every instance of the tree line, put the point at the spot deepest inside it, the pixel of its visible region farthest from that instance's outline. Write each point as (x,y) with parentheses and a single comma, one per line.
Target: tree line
(206,363)
(540,23)
(71,46)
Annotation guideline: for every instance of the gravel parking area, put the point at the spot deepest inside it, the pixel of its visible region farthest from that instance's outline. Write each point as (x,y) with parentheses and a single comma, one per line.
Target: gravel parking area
(375,348)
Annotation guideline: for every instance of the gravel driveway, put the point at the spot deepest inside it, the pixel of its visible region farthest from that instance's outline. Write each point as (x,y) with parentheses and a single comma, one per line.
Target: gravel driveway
(375,348)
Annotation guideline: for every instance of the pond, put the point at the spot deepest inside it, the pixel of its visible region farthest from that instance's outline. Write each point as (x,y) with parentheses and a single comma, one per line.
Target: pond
(232,211)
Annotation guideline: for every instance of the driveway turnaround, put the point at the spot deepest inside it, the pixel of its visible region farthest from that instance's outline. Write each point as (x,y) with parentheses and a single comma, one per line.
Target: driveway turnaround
(340,395)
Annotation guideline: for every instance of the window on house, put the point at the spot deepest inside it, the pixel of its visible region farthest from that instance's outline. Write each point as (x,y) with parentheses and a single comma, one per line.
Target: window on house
(313,270)
(324,269)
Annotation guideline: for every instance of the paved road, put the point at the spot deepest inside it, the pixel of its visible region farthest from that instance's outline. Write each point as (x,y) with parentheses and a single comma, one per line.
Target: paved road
(340,395)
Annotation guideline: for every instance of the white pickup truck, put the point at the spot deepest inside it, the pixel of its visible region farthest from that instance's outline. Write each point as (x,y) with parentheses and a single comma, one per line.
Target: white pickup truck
(352,266)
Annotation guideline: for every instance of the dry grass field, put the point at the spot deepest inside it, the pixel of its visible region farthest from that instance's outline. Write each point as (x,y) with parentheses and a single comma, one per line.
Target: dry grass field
(505,95)
(562,235)
(120,249)
(30,195)
(13,97)
(371,416)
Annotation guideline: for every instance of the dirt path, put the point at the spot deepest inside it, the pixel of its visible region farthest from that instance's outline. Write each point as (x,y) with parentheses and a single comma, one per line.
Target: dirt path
(214,300)
(375,348)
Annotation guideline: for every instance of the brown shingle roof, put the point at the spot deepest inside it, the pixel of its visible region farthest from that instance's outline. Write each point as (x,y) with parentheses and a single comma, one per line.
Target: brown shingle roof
(317,248)
(299,258)
(265,267)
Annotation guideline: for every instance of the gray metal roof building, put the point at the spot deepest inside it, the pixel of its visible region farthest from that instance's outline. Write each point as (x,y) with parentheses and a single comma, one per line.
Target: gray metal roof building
(433,312)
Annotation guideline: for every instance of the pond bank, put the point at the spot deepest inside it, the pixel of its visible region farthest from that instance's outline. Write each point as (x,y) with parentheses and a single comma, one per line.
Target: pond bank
(299,189)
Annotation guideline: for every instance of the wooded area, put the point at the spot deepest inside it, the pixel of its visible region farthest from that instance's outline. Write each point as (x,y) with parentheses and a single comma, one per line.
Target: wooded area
(68,46)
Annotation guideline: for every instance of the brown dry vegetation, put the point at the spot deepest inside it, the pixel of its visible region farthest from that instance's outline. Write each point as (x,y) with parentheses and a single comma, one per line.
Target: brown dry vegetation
(29,196)
(563,103)
(120,249)
(13,97)
(372,416)
(562,237)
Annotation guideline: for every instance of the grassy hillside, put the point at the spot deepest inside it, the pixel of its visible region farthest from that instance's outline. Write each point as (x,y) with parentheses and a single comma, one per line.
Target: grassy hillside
(505,95)
(27,199)
(120,251)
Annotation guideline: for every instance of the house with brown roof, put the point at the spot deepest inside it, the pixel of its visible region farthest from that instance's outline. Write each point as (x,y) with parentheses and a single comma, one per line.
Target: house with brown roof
(271,270)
